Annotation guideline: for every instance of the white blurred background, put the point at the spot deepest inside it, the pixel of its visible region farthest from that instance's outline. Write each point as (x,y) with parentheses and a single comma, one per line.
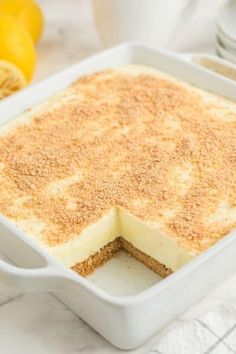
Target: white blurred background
(70,32)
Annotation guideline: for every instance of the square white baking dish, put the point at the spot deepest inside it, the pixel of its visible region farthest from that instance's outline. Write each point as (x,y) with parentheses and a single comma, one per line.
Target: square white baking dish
(125,321)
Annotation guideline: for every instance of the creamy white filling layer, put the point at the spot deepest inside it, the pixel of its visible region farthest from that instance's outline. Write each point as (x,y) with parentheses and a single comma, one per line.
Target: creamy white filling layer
(150,239)
(147,237)
(91,240)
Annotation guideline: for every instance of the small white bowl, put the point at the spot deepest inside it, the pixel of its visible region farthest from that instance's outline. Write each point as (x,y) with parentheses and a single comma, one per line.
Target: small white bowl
(226,20)
(227,42)
(224,53)
(214,63)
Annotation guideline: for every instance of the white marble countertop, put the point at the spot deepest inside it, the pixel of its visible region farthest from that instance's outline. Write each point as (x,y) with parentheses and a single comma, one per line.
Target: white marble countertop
(38,323)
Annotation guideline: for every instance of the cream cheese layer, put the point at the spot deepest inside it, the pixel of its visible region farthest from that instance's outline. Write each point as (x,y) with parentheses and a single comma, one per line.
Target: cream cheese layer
(145,236)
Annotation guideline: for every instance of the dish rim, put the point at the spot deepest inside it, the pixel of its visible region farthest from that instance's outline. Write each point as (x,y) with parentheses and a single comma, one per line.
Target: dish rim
(68,274)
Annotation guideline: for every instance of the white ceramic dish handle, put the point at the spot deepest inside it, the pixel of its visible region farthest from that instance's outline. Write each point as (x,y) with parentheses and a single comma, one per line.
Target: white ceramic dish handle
(47,278)
(45,275)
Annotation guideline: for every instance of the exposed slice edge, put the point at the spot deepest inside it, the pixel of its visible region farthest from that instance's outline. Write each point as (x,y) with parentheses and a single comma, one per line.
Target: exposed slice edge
(107,252)
(99,258)
(150,262)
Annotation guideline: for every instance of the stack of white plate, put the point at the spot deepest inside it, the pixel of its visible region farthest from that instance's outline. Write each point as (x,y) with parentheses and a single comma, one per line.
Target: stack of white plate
(226,32)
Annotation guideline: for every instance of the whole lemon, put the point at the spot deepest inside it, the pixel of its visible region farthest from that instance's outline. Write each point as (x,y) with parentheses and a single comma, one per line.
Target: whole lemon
(16,46)
(27,12)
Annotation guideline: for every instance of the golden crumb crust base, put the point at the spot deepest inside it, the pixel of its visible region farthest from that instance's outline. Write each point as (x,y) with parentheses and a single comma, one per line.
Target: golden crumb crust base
(108,251)
(97,259)
(150,262)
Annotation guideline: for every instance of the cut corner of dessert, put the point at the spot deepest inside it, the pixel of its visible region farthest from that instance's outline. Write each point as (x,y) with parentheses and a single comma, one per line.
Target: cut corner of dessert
(119,230)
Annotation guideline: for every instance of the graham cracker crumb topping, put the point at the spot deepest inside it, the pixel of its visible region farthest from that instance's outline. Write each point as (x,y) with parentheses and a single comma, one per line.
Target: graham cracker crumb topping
(161,149)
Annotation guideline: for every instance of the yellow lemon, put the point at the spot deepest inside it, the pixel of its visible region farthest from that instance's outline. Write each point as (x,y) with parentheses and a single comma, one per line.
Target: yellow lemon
(27,12)
(16,46)
(11,79)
